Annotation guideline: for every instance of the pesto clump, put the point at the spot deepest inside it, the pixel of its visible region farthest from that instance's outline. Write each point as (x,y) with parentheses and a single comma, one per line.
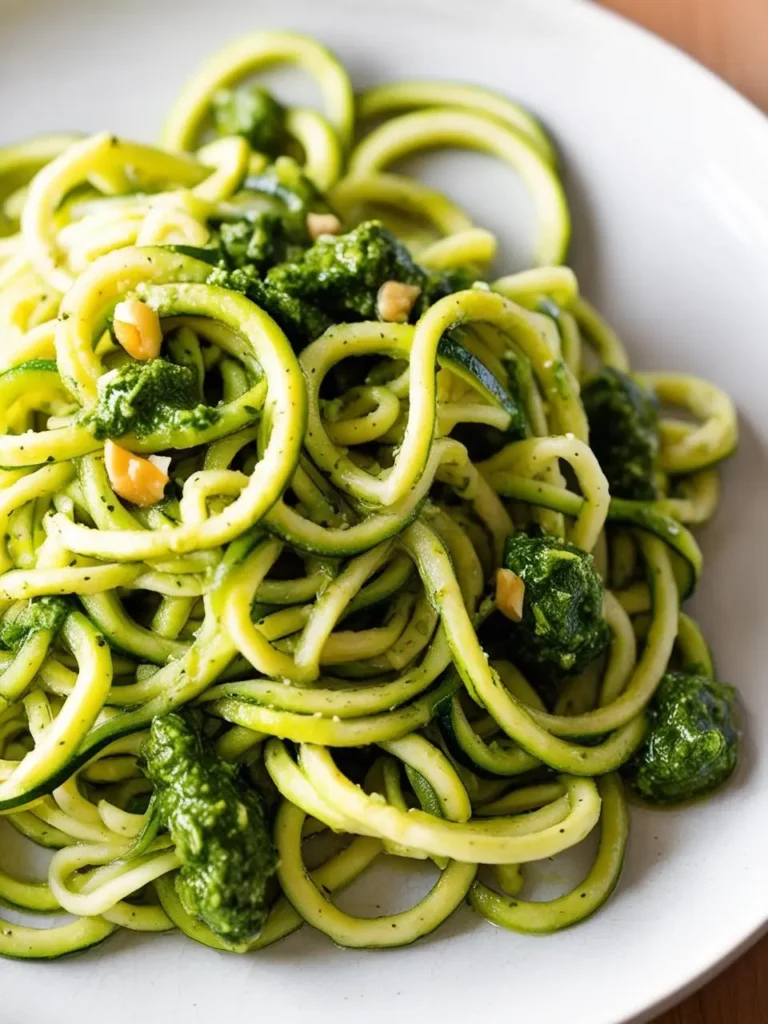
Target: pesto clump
(276,230)
(562,627)
(41,614)
(336,280)
(343,275)
(142,398)
(267,254)
(692,746)
(256,243)
(623,432)
(219,827)
(301,321)
(254,113)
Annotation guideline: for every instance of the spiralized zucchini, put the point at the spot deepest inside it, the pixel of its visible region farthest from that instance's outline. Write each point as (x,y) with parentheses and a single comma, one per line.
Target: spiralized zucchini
(317,577)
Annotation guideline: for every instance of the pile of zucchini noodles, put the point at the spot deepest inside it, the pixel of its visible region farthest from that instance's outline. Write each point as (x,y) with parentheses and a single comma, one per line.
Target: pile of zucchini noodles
(87,222)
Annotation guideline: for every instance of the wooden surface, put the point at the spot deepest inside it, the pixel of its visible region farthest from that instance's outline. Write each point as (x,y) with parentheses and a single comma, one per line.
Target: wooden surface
(731,37)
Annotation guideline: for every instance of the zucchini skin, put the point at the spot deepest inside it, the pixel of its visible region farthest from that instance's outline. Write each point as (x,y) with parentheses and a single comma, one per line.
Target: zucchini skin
(472,752)
(595,890)
(454,356)
(18,942)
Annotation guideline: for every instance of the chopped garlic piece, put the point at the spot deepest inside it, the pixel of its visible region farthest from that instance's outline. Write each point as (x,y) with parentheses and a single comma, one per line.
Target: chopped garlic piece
(137,328)
(132,477)
(395,301)
(322,224)
(510,593)
(162,462)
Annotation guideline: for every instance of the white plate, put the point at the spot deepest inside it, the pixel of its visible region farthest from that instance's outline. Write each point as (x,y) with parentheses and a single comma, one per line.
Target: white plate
(667,172)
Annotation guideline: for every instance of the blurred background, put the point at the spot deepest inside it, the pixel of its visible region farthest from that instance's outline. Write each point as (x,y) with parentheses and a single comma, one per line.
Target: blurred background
(731,38)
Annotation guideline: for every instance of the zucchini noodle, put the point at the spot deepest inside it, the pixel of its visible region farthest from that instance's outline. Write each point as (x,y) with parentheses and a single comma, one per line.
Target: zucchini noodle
(338,493)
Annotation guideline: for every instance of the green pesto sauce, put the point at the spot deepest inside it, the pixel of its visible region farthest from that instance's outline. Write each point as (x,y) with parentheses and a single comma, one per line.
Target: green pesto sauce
(623,432)
(41,614)
(343,274)
(142,398)
(301,321)
(254,113)
(692,746)
(219,827)
(306,288)
(336,280)
(268,255)
(562,628)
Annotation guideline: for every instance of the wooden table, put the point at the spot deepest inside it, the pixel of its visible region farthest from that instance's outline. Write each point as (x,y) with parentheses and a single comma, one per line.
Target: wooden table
(731,37)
